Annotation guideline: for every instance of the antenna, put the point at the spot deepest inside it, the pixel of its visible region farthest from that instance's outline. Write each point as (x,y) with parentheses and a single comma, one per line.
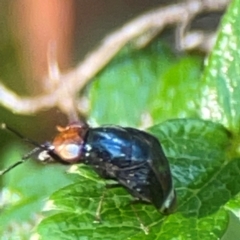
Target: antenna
(4,126)
(24,158)
(38,148)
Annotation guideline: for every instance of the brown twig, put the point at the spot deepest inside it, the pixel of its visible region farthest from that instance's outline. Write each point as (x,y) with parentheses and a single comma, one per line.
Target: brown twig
(69,84)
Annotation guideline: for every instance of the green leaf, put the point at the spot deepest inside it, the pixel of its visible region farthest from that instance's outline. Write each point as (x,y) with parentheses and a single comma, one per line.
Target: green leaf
(150,81)
(205,180)
(177,93)
(125,85)
(221,82)
(186,141)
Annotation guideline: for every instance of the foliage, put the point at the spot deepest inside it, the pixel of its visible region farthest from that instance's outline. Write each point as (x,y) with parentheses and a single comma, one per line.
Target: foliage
(197,123)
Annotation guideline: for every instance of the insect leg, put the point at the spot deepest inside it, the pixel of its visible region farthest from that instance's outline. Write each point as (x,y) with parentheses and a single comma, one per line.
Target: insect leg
(99,208)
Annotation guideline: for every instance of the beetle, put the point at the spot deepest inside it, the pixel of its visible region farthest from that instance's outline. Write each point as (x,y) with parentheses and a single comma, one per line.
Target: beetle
(133,158)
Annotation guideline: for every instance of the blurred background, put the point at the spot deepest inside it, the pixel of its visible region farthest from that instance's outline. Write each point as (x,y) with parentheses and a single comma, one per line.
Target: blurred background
(27,27)
(75,27)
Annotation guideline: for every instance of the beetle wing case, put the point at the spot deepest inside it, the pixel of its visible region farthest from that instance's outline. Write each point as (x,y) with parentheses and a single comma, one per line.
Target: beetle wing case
(133,158)
(160,184)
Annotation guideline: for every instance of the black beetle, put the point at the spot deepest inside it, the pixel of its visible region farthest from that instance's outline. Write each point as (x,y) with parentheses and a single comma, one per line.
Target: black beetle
(133,158)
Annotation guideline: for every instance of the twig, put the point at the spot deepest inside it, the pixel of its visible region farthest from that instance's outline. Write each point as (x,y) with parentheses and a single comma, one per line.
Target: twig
(72,82)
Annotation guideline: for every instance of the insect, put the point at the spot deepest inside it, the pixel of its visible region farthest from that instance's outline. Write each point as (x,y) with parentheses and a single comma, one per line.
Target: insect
(132,157)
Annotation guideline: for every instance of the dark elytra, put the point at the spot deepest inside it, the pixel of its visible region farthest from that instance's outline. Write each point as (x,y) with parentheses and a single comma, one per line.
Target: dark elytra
(132,157)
